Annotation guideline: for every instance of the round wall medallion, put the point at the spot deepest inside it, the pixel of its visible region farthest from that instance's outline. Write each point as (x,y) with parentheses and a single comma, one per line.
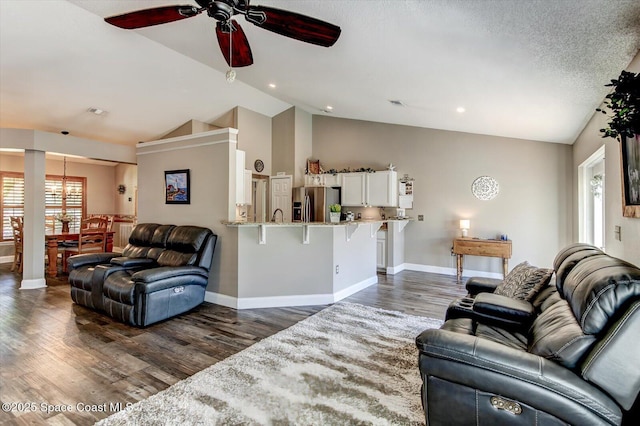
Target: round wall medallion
(485,188)
(258,165)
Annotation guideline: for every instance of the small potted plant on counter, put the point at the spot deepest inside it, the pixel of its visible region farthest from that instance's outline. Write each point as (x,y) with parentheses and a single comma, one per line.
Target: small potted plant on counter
(334,213)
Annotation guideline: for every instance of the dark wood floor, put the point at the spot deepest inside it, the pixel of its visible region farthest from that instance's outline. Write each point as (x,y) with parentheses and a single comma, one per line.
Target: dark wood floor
(54,353)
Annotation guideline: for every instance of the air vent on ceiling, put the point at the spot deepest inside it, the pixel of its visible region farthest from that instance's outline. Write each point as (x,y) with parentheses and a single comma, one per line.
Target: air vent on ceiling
(97,111)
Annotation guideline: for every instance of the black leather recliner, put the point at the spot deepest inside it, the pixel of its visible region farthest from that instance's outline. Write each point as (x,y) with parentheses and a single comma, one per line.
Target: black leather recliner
(577,361)
(162,272)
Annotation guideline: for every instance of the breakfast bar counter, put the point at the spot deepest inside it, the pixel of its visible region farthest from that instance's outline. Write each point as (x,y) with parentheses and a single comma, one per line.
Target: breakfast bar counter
(302,263)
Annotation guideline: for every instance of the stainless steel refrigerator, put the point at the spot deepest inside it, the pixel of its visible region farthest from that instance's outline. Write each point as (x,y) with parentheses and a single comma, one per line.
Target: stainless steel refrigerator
(313,203)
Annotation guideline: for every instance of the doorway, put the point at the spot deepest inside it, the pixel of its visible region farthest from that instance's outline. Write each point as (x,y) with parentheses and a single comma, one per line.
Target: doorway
(591,197)
(257,210)
(281,196)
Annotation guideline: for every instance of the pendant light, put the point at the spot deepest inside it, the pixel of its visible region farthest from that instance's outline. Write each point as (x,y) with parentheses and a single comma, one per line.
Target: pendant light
(231,74)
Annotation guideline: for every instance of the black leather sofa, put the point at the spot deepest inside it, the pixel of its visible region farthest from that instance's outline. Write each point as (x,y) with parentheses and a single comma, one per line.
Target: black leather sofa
(162,272)
(574,358)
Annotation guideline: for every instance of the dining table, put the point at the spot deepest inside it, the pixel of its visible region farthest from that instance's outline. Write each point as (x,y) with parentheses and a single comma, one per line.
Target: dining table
(53,238)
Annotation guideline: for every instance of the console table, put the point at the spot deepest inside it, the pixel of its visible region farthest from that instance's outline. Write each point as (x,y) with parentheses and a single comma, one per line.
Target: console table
(479,247)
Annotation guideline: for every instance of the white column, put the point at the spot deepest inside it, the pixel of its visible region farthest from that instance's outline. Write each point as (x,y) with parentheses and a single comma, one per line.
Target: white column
(34,208)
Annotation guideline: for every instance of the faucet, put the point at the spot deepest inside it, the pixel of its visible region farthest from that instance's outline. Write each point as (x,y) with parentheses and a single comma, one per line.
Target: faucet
(273,218)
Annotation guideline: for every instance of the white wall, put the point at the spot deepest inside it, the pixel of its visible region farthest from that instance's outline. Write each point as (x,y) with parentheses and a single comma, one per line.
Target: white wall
(534,206)
(588,142)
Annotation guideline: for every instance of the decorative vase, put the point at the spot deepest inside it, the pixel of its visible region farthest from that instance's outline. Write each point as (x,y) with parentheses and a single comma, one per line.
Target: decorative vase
(334,217)
(65,226)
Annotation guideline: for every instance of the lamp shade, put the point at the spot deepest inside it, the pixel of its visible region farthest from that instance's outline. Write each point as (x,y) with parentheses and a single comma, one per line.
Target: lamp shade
(465,223)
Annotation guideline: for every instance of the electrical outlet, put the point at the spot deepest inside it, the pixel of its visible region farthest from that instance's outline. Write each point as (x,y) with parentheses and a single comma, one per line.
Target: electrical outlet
(337,269)
(420,217)
(452,253)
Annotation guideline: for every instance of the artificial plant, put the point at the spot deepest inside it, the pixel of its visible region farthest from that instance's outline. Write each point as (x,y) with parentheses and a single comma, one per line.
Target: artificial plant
(623,104)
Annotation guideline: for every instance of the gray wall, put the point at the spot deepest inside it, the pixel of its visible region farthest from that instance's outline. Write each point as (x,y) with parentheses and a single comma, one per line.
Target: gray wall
(587,143)
(534,206)
(211,166)
(254,138)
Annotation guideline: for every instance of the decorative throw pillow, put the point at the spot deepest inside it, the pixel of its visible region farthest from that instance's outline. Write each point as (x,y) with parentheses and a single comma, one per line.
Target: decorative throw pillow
(524,282)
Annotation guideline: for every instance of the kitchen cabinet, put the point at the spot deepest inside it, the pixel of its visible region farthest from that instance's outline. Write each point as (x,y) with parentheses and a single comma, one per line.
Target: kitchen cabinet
(243,180)
(379,189)
(324,179)
(382,189)
(248,190)
(381,250)
(353,189)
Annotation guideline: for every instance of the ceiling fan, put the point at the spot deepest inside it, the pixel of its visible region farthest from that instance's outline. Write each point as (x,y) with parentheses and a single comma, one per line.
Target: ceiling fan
(231,38)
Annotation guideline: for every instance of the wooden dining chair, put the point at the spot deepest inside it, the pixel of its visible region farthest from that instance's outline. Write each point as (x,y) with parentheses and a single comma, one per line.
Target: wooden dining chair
(17,226)
(50,224)
(90,240)
(96,221)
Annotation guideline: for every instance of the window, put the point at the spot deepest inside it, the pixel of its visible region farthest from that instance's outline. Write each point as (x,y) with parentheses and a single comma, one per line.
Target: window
(591,199)
(12,201)
(73,200)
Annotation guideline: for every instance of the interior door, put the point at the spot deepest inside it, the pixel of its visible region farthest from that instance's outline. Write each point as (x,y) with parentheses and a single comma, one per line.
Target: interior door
(281,196)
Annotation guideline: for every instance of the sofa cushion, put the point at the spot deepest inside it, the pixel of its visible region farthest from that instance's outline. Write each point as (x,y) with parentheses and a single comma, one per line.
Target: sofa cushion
(598,289)
(159,241)
(119,287)
(513,339)
(524,282)
(556,335)
(565,264)
(183,245)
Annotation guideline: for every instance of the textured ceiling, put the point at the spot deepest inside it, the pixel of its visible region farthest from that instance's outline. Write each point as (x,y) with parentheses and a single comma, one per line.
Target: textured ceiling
(521,68)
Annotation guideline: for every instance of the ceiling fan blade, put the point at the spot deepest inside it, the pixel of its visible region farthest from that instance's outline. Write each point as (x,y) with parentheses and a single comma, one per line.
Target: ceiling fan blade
(230,33)
(154,16)
(294,25)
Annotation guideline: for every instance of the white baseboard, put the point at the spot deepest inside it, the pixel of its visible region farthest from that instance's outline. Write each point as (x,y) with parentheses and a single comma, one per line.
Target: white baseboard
(355,288)
(392,270)
(451,271)
(284,301)
(33,284)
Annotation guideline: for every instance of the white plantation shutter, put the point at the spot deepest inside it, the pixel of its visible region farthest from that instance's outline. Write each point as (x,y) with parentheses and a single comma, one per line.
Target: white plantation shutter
(12,203)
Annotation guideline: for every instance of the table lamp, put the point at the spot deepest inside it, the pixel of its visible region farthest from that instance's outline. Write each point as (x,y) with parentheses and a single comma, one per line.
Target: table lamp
(464,226)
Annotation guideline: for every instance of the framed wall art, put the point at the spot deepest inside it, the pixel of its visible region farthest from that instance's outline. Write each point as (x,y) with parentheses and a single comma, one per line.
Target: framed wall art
(630,168)
(177,187)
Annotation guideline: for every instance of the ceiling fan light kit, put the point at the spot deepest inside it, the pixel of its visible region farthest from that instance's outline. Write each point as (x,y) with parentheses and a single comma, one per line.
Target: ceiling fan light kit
(231,38)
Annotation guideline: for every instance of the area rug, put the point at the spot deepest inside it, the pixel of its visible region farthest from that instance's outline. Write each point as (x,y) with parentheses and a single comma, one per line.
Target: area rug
(348,364)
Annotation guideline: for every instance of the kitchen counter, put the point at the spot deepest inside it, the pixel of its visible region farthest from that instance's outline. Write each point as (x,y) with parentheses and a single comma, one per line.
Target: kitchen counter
(341,223)
(300,263)
(350,226)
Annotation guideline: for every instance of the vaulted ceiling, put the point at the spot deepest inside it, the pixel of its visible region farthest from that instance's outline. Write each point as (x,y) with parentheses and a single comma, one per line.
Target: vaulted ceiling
(520,68)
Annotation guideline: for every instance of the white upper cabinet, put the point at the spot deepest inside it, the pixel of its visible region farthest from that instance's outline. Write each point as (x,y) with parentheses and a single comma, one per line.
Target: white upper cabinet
(325,179)
(382,189)
(353,189)
(248,190)
(243,180)
(379,189)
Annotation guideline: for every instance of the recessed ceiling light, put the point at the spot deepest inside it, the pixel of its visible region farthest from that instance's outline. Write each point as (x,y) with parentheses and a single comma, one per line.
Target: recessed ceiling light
(329,107)
(396,102)
(272,85)
(460,109)
(97,111)
(326,111)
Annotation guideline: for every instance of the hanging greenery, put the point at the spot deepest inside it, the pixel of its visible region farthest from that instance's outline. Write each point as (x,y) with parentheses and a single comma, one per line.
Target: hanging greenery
(623,104)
